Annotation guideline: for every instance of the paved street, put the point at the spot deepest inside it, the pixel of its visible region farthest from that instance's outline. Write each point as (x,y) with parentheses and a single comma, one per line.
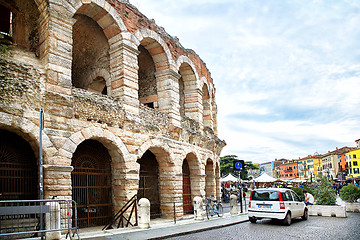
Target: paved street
(315,228)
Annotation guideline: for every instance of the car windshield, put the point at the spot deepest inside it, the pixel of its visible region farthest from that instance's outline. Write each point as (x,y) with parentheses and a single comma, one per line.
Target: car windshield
(265,195)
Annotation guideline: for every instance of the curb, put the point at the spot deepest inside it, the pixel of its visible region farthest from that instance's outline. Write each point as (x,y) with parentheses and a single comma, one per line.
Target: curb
(200,230)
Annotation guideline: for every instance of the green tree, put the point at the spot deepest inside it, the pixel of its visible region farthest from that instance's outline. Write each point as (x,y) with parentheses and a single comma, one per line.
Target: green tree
(325,194)
(350,193)
(227,167)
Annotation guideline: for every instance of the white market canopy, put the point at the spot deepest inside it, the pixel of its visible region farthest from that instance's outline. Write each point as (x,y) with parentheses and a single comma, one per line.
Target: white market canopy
(265,178)
(229,178)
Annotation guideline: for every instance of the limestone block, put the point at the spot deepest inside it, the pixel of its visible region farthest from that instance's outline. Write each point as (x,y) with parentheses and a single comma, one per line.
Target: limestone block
(144,213)
(233,205)
(327,211)
(353,207)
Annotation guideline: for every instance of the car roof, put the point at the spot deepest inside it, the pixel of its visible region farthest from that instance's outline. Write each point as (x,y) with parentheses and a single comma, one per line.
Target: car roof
(272,189)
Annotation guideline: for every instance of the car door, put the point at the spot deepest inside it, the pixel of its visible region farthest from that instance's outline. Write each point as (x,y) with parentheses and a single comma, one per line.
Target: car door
(288,200)
(298,204)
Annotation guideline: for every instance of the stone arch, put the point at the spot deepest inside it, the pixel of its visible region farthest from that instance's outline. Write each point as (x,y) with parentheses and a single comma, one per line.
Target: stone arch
(206,105)
(160,174)
(192,179)
(156,46)
(19,178)
(209,178)
(168,173)
(101,82)
(194,163)
(111,141)
(185,60)
(97,31)
(104,13)
(30,132)
(92,183)
(188,85)
(152,144)
(154,63)
(124,173)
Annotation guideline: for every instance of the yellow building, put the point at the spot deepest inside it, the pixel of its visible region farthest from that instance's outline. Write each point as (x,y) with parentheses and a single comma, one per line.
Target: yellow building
(353,163)
(309,167)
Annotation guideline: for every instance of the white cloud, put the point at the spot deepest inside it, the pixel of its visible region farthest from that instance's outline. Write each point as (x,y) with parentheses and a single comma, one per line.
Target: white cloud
(289,79)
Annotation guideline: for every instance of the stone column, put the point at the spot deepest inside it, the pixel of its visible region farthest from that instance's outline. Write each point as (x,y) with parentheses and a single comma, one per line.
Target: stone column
(210,186)
(207,114)
(124,72)
(197,184)
(193,105)
(170,184)
(56,52)
(168,94)
(57,181)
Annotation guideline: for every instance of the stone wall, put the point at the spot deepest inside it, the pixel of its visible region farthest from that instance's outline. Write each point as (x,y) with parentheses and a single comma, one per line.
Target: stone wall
(116,118)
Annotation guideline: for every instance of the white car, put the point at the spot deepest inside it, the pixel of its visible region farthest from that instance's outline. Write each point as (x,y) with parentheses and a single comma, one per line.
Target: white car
(276,203)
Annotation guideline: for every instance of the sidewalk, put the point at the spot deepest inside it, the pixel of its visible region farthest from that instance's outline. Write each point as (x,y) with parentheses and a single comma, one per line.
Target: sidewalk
(162,229)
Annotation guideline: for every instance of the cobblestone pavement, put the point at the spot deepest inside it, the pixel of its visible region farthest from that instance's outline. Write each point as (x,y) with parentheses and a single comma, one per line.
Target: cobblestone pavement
(315,228)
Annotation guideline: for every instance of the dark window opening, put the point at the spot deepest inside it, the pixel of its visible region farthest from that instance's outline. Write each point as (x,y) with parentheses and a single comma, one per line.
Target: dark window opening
(150,105)
(5,22)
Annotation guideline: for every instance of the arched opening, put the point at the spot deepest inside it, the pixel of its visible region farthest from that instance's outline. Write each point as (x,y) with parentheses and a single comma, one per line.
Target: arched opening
(187,91)
(187,203)
(209,179)
(149,182)
(18,24)
(98,85)
(90,55)
(147,79)
(18,168)
(91,182)
(206,107)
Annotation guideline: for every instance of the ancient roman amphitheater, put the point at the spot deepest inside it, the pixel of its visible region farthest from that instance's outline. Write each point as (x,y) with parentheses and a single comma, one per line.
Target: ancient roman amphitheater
(127,109)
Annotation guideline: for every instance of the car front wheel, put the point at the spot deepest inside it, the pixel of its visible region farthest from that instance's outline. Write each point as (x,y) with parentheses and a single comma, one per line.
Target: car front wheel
(252,219)
(306,215)
(287,219)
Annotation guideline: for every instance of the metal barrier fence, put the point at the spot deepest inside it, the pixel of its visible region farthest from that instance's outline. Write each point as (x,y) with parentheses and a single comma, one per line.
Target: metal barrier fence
(26,218)
(174,212)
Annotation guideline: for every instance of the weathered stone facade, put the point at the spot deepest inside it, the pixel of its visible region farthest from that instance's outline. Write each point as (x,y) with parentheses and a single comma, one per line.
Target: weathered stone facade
(93,65)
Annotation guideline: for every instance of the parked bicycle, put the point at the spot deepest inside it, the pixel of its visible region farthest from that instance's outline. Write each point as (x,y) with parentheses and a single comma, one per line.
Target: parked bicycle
(212,209)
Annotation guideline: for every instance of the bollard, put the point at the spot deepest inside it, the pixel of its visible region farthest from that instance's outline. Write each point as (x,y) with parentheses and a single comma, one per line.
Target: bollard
(144,213)
(198,208)
(53,221)
(233,205)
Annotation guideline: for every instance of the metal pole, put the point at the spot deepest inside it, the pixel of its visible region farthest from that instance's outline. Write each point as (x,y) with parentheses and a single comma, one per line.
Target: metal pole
(240,192)
(41,154)
(41,179)
(174,214)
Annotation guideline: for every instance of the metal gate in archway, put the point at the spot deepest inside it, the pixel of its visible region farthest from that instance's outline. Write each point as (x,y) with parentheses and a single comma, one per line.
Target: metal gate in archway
(91,182)
(187,204)
(18,168)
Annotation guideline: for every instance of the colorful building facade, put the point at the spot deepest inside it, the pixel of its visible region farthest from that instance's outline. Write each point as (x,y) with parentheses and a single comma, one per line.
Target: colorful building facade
(353,164)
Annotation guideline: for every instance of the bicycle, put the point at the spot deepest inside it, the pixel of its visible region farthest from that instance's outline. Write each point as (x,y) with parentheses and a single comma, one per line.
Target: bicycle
(216,208)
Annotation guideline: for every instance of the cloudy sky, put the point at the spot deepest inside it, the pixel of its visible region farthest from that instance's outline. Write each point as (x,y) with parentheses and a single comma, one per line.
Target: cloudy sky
(286,72)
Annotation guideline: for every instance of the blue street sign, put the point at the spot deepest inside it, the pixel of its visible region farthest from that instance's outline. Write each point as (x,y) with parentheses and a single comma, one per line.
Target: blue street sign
(238,165)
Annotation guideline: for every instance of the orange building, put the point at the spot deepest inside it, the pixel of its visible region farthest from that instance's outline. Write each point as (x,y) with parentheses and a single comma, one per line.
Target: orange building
(288,171)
